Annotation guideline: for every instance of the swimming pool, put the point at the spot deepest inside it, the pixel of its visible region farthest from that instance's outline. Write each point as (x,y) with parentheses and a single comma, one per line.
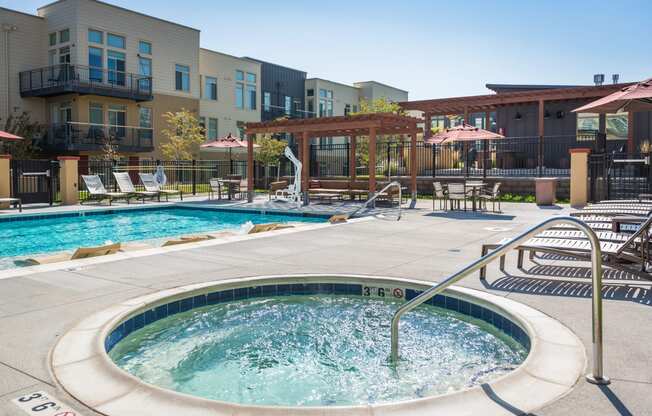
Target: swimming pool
(26,236)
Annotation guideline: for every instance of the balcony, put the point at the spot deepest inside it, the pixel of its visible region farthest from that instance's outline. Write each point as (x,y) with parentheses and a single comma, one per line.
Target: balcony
(272,112)
(67,78)
(78,137)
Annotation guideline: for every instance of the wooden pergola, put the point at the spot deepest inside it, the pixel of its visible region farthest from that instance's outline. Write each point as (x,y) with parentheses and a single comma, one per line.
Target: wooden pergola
(367,125)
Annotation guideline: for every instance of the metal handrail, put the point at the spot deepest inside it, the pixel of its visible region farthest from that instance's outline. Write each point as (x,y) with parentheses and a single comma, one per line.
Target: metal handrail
(597,376)
(377,194)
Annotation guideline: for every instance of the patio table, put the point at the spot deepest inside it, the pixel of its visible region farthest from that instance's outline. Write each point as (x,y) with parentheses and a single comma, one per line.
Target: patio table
(230,185)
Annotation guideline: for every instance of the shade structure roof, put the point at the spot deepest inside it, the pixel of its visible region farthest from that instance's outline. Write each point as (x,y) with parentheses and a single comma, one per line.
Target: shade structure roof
(227,142)
(636,97)
(351,125)
(8,136)
(463,132)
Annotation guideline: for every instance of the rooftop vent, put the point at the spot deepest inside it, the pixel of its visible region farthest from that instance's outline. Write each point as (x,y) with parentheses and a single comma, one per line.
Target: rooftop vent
(615,78)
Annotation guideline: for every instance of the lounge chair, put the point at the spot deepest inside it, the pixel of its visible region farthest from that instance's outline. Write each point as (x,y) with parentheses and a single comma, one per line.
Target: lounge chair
(151,185)
(188,239)
(126,186)
(338,218)
(16,202)
(97,191)
(620,252)
(261,228)
(80,253)
(438,193)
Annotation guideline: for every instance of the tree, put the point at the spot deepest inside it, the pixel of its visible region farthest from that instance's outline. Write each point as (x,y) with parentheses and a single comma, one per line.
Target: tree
(379,105)
(30,131)
(269,153)
(184,134)
(110,147)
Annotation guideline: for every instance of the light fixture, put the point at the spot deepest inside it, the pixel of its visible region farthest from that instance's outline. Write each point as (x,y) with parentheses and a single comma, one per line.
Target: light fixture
(546,114)
(561,114)
(518,116)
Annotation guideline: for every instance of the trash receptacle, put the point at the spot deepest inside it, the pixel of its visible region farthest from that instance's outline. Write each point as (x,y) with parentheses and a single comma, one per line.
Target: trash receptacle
(546,191)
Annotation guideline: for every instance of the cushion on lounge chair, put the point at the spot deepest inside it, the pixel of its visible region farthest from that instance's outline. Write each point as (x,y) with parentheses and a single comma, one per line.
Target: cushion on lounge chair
(338,218)
(80,253)
(261,228)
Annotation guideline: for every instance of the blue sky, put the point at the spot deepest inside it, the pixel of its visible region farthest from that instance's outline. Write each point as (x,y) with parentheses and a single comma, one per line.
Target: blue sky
(430,48)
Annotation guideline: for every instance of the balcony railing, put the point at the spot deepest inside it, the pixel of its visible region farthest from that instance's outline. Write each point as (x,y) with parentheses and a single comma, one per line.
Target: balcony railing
(68,78)
(75,137)
(272,112)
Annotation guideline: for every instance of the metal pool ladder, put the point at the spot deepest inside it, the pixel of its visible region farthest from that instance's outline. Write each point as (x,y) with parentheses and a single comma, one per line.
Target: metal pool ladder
(597,376)
(377,194)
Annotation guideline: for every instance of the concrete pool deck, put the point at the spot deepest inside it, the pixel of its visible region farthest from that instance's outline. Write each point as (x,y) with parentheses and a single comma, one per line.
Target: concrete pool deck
(36,309)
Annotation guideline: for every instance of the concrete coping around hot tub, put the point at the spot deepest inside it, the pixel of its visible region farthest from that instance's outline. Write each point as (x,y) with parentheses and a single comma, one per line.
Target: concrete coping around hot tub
(81,366)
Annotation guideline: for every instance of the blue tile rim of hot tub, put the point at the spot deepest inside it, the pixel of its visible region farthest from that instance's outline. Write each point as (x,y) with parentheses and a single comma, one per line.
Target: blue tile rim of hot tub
(118,210)
(285,289)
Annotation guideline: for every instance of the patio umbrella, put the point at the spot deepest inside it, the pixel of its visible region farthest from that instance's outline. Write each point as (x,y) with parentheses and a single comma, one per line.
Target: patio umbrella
(463,133)
(229,142)
(8,136)
(636,97)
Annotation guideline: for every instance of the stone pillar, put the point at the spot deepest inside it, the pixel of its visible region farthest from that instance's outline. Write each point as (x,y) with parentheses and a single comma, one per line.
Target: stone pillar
(68,179)
(372,161)
(5,179)
(579,177)
(413,166)
(305,161)
(250,168)
(352,164)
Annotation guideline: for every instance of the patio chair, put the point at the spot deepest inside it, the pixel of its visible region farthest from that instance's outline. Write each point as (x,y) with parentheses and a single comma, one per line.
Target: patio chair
(457,193)
(215,187)
(438,193)
(151,185)
(276,189)
(97,191)
(493,196)
(126,186)
(16,202)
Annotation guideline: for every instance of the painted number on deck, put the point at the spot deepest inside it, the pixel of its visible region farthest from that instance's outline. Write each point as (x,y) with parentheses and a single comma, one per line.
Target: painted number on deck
(383,292)
(43,404)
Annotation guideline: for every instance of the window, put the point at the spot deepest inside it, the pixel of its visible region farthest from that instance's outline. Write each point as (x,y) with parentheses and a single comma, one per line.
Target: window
(347,109)
(95,61)
(64,36)
(95,36)
(354,108)
(322,93)
(288,105)
(202,123)
(145,47)
(53,38)
(322,108)
(239,95)
(267,101)
(588,125)
(251,78)
(329,94)
(212,129)
(182,78)
(239,76)
(145,69)
(116,65)
(251,97)
(311,107)
(64,55)
(310,92)
(210,88)
(325,103)
(145,123)
(52,57)
(115,41)
(117,120)
(95,114)
(329,108)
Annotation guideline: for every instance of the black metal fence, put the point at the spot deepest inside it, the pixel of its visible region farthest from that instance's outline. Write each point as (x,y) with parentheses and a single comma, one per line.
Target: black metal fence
(509,157)
(618,175)
(35,180)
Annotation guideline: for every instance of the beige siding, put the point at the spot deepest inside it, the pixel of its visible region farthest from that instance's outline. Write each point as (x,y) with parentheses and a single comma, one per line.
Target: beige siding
(223,67)
(171,43)
(27,45)
(372,90)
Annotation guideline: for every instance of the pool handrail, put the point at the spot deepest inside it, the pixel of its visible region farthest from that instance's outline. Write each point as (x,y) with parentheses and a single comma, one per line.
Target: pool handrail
(597,376)
(378,193)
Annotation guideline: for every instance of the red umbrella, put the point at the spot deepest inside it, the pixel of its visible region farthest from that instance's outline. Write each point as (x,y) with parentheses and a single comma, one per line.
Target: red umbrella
(636,97)
(8,136)
(464,133)
(229,142)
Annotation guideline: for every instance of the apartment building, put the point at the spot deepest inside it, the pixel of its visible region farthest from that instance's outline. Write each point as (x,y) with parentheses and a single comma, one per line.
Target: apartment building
(95,73)
(230,93)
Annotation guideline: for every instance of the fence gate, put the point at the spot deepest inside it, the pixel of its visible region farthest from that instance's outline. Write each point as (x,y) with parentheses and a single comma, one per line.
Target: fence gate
(619,176)
(34,181)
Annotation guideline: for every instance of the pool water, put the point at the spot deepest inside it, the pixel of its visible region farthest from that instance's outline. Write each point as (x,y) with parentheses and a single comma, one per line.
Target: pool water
(315,350)
(60,233)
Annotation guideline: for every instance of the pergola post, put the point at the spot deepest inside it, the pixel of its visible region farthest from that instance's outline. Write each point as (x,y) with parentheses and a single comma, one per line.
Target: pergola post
(372,160)
(352,163)
(427,126)
(413,165)
(305,161)
(250,167)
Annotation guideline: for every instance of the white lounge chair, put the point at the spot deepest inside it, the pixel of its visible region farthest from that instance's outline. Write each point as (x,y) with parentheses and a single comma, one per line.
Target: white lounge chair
(16,202)
(126,186)
(151,185)
(97,191)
